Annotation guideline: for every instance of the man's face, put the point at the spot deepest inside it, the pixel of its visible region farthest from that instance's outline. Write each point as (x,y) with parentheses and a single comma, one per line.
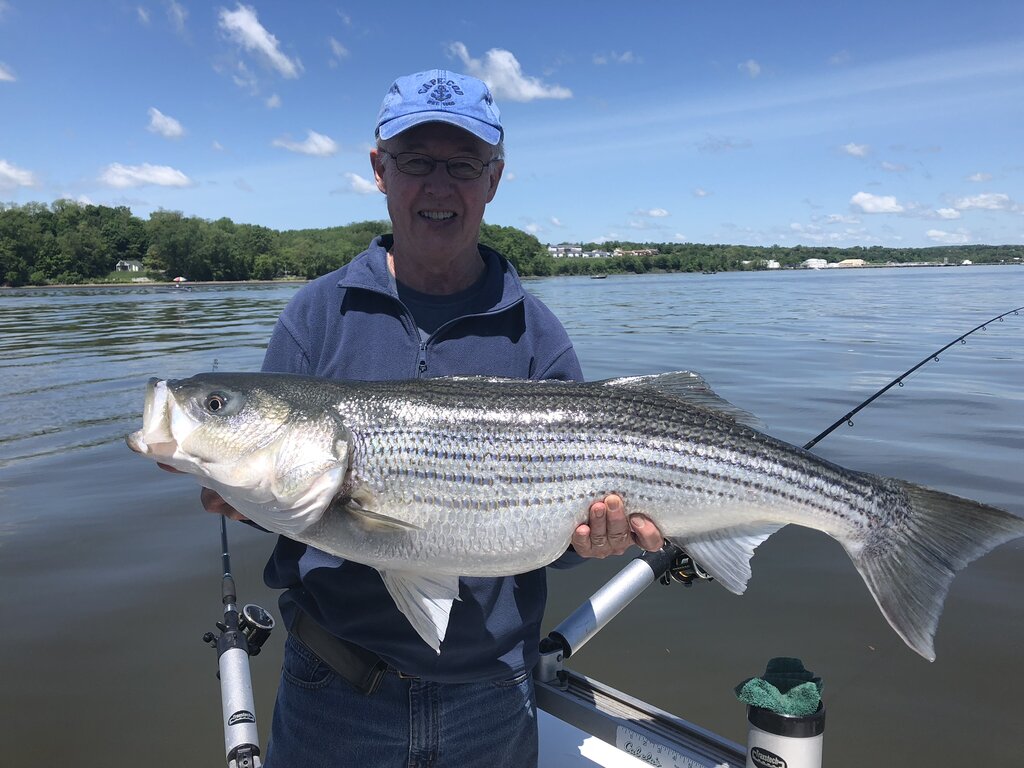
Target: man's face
(435,215)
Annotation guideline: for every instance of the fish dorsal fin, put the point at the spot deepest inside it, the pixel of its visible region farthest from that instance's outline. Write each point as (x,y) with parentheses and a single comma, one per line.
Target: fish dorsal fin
(688,386)
(725,554)
(425,600)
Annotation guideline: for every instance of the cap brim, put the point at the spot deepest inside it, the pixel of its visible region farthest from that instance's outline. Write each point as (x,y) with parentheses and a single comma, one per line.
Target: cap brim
(481,130)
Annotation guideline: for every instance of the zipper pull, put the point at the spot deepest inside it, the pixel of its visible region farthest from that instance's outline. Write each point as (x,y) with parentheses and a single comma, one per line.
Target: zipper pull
(422,367)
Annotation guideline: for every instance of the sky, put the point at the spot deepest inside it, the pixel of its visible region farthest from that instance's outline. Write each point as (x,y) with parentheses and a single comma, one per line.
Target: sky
(897,124)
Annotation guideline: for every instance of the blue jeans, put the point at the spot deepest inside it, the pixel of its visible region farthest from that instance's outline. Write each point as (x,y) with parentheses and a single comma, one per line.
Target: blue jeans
(321,721)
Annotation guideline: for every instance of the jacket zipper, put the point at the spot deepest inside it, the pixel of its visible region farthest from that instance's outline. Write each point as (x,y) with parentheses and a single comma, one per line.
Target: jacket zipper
(421,366)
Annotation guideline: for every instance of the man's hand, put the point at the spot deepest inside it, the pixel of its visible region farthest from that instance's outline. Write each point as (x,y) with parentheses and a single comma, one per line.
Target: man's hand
(610,532)
(211,500)
(214,502)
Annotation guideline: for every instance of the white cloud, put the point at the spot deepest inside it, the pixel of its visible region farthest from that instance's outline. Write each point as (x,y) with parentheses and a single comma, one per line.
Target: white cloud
(894,167)
(628,57)
(993,201)
(6,74)
(338,51)
(143,15)
(504,75)
(273,102)
(856,150)
(950,238)
(980,177)
(680,236)
(316,144)
(838,218)
(839,59)
(165,125)
(715,144)
(243,78)
(243,185)
(751,67)
(533,228)
(700,192)
(876,203)
(4,8)
(359,185)
(177,15)
(243,27)
(556,222)
(657,213)
(948,213)
(123,176)
(11,176)
(216,146)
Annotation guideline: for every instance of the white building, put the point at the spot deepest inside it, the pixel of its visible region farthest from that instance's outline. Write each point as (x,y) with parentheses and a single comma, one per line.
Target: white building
(566,251)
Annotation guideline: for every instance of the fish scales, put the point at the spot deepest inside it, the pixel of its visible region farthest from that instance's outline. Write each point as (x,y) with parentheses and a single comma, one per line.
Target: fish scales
(477,456)
(431,480)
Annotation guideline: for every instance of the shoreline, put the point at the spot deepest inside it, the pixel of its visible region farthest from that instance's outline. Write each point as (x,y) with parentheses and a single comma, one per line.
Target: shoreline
(296,280)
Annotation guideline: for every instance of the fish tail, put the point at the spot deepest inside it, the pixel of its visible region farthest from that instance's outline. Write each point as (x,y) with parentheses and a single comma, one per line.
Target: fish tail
(910,565)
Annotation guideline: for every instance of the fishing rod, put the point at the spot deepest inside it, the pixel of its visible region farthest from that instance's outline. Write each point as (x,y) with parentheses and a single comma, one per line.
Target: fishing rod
(848,418)
(241,635)
(672,564)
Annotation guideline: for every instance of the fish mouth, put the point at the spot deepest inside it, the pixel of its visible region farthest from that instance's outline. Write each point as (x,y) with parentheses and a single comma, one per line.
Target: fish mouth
(155,438)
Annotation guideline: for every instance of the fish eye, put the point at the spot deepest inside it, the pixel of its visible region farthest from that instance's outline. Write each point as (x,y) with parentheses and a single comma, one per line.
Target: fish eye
(215,402)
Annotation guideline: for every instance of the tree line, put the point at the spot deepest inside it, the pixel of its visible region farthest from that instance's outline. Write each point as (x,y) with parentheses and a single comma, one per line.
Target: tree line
(68,242)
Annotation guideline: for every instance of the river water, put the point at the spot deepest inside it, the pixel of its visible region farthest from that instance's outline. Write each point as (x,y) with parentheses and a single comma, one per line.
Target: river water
(110,571)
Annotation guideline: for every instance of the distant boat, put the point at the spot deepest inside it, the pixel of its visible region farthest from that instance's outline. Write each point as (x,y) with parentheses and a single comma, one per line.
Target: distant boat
(598,277)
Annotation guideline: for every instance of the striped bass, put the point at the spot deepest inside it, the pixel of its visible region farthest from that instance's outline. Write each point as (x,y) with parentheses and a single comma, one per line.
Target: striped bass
(429,480)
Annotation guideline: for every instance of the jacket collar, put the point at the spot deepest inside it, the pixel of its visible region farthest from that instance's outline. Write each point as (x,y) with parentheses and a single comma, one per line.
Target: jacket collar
(369,271)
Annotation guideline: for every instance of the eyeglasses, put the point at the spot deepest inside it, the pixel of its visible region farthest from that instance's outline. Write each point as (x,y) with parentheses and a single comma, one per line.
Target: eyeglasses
(416,164)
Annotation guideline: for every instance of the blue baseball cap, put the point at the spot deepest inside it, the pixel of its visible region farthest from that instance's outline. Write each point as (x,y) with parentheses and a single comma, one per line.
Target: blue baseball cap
(440,96)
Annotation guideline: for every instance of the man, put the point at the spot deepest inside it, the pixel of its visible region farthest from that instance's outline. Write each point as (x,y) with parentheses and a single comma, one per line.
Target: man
(359,686)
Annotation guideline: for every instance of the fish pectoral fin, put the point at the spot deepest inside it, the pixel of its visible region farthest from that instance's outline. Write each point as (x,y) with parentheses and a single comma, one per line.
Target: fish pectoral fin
(377,518)
(425,600)
(725,554)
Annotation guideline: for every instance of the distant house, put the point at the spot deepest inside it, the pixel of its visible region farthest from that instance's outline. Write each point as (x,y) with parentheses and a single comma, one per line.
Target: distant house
(128,265)
(852,263)
(814,264)
(566,251)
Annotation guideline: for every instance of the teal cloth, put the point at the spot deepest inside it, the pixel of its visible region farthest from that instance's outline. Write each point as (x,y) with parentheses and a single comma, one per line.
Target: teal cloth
(786,688)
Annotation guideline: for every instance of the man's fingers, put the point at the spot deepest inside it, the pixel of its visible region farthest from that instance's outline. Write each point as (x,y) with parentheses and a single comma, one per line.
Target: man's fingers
(646,533)
(214,502)
(617,525)
(598,524)
(581,540)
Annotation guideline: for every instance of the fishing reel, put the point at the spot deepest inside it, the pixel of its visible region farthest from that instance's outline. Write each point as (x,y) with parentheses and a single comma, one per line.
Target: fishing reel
(255,624)
(684,570)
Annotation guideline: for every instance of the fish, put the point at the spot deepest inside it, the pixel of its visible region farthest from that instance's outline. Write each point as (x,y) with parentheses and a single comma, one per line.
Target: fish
(429,480)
